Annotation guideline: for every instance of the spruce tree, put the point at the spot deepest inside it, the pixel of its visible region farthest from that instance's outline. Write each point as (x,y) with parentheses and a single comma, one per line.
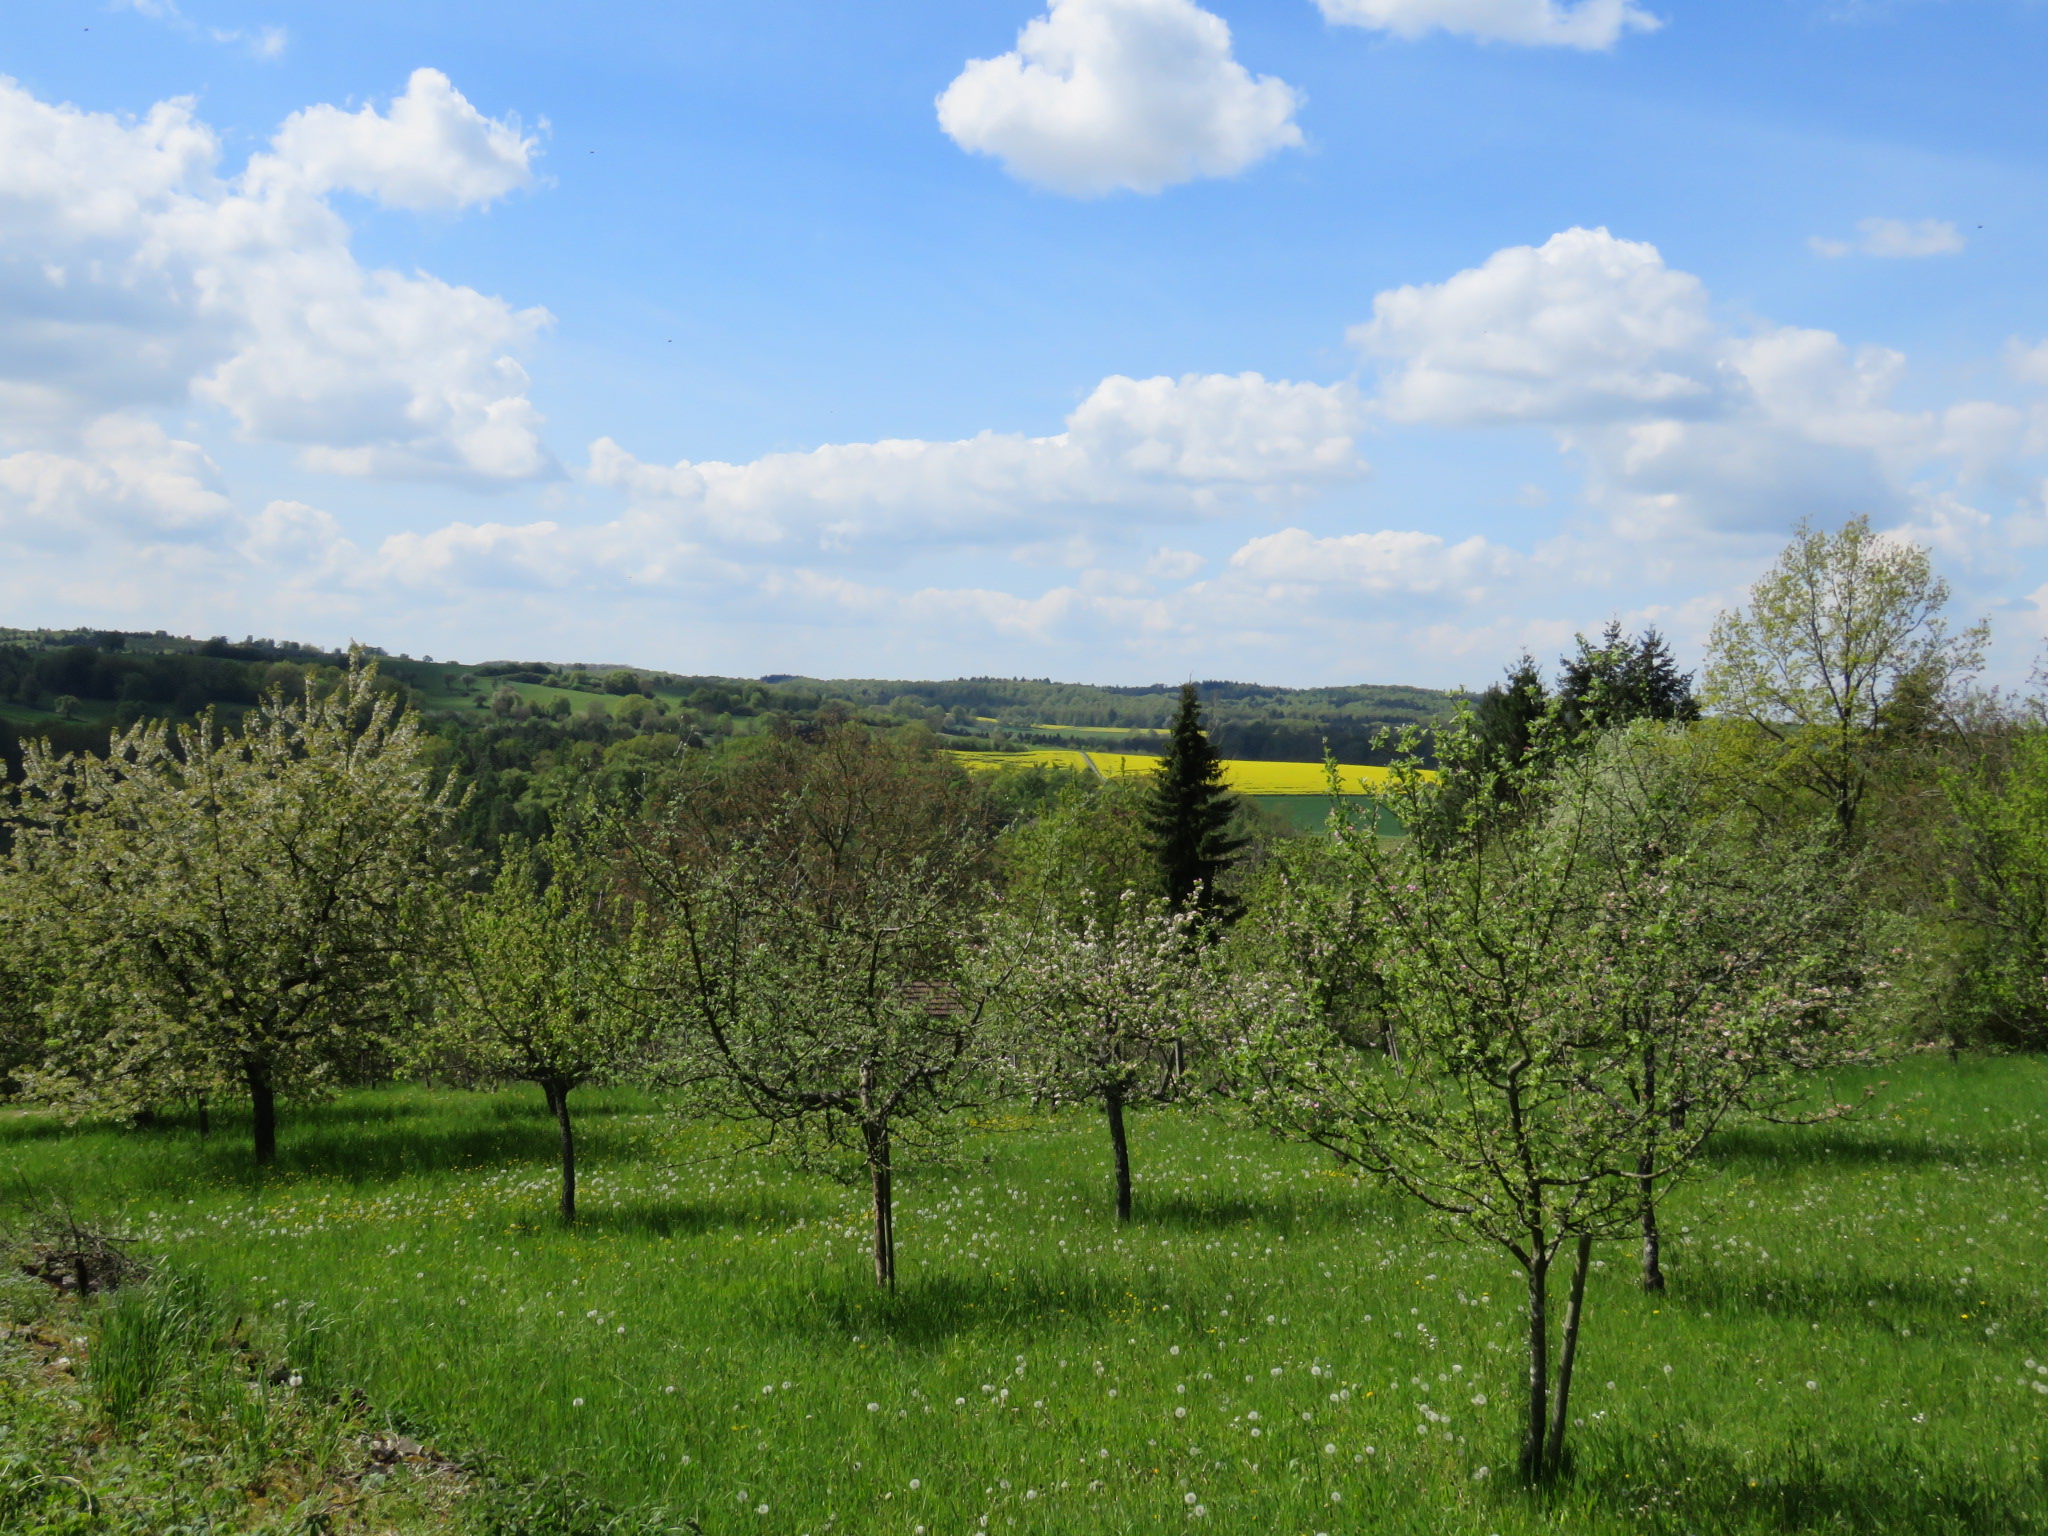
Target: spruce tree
(1623,679)
(1505,715)
(1190,815)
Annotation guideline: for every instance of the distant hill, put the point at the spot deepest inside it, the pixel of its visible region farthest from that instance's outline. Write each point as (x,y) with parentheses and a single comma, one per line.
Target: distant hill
(73,686)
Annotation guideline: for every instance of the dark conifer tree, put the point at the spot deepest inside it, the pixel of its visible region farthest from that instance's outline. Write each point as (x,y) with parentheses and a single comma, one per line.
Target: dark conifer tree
(1479,769)
(1189,817)
(1623,679)
(1506,714)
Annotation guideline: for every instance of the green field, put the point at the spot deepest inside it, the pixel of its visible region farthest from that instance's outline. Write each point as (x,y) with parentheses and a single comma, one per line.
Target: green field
(1855,1338)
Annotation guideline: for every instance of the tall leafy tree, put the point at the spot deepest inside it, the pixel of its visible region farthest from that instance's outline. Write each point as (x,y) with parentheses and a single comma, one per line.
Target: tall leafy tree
(1997,837)
(1839,640)
(1079,856)
(259,908)
(1190,817)
(537,991)
(809,956)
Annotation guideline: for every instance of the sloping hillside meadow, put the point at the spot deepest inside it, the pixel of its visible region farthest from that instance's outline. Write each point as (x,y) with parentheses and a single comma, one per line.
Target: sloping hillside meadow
(1855,1337)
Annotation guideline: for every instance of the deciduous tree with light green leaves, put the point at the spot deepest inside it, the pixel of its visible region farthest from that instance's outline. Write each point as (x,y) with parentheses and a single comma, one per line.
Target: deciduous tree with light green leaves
(1998,885)
(538,989)
(258,909)
(1841,648)
(1525,969)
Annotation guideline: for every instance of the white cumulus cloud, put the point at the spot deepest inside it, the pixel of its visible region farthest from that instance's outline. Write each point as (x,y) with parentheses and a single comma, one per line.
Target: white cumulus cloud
(1382,562)
(2027,361)
(1150,447)
(1895,238)
(1589,24)
(431,150)
(128,485)
(1684,422)
(1582,326)
(134,274)
(1103,95)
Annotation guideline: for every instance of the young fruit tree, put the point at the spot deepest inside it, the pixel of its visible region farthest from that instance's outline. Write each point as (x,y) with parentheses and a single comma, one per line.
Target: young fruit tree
(1702,906)
(537,991)
(1512,965)
(1099,1012)
(259,909)
(806,959)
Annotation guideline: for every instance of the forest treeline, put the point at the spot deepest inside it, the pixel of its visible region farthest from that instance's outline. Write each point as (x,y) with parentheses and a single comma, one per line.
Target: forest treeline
(1624,910)
(76,687)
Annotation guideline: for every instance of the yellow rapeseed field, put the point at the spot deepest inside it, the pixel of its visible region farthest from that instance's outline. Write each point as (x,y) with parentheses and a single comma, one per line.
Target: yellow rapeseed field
(1247,778)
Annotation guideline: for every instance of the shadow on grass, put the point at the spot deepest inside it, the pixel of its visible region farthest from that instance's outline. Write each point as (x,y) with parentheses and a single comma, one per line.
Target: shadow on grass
(358,1138)
(927,1312)
(22,1128)
(1682,1485)
(1198,1213)
(1762,1147)
(1856,1300)
(694,1219)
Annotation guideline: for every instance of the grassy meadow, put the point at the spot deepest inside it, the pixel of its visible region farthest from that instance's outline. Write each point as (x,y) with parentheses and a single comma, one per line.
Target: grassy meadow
(1855,1337)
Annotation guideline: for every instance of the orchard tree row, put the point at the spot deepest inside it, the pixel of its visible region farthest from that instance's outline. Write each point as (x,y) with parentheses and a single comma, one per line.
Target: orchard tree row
(1525,988)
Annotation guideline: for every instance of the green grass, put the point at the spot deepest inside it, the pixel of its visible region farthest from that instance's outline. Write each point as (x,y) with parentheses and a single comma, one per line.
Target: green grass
(1844,1346)
(155,1411)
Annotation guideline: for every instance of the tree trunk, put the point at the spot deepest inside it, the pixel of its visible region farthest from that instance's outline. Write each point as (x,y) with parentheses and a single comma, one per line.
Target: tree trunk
(1113,1101)
(263,1101)
(1653,1240)
(205,1119)
(876,1136)
(558,1102)
(1646,1168)
(1553,1461)
(1539,1366)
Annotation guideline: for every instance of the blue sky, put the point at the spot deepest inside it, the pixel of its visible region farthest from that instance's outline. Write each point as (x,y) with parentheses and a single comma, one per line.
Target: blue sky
(1119,340)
